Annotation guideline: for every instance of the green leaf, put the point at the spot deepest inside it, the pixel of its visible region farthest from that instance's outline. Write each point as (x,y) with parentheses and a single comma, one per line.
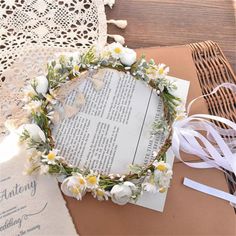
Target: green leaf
(135,169)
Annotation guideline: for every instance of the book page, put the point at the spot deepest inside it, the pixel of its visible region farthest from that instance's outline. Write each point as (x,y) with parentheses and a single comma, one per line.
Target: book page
(30,205)
(114,127)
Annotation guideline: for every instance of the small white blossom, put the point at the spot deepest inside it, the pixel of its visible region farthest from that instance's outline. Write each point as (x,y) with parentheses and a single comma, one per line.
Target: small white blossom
(162,71)
(51,157)
(33,106)
(159,180)
(92,181)
(100,194)
(161,165)
(29,93)
(149,184)
(50,99)
(111,176)
(116,50)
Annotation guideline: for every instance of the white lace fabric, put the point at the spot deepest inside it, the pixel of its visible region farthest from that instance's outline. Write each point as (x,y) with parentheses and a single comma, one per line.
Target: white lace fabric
(31,32)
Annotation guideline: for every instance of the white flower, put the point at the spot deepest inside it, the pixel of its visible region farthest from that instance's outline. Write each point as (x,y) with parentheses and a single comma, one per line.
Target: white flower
(161,165)
(162,169)
(41,83)
(50,99)
(122,193)
(100,194)
(162,175)
(50,115)
(51,96)
(116,50)
(74,186)
(159,180)
(149,184)
(29,93)
(33,107)
(92,181)
(51,157)
(111,176)
(128,57)
(34,132)
(162,71)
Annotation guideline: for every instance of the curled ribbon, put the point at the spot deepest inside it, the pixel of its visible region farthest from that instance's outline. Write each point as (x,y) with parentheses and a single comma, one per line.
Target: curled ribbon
(215,150)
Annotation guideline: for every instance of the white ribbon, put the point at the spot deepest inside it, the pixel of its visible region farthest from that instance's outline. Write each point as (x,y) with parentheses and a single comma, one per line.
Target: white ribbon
(209,190)
(215,150)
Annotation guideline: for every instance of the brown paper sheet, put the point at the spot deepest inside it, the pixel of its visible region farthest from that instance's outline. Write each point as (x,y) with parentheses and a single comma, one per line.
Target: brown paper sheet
(187,212)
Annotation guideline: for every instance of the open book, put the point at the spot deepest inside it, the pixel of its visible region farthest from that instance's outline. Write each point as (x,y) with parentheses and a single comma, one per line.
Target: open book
(114,127)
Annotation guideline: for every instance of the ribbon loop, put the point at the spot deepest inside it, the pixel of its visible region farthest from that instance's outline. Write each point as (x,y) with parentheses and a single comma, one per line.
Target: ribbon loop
(216,148)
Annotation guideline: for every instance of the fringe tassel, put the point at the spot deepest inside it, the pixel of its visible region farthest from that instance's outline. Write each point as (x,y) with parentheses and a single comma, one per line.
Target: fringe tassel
(110,3)
(118,38)
(119,23)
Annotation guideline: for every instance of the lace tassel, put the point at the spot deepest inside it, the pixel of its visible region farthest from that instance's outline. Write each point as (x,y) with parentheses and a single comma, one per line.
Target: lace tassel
(119,23)
(110,3)
(118,38)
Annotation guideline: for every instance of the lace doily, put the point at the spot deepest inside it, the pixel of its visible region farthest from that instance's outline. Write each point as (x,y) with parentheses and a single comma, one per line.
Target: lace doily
(32,31)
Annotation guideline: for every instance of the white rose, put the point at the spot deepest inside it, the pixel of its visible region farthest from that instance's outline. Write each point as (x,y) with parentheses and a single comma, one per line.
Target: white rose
(34,131)
(73,187)
(121,193)
(128,57)
(64,187)
(41,84)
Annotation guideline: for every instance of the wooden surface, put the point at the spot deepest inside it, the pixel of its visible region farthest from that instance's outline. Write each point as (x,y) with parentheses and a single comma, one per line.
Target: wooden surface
(174,22)
(187,212)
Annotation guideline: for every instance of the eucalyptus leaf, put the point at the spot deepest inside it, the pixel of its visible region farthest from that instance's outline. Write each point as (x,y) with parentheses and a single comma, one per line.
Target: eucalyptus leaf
(135,169)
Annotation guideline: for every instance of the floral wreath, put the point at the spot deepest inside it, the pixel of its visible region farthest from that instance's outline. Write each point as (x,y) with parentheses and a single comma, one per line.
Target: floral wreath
(40,98)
